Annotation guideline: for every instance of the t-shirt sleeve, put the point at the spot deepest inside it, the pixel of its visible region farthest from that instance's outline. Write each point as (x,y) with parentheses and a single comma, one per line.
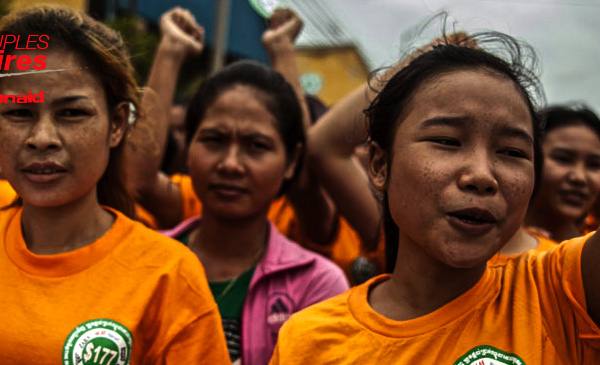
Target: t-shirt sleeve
(283,348)
(562,297)
(275,357)
(327,281)
(193,330)
(200,342)
(191,204)
(182,318)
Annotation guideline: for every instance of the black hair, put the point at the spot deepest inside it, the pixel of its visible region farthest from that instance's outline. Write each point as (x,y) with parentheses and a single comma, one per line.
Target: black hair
(556,116)
(281,101)
(507,57)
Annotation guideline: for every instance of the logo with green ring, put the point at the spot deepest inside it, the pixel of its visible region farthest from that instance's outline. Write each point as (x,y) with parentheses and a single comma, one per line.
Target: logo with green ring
(264,7)
(98,342)
(488,355)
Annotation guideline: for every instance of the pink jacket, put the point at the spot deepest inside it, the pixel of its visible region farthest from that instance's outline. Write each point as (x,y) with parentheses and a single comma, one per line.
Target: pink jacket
(287,279)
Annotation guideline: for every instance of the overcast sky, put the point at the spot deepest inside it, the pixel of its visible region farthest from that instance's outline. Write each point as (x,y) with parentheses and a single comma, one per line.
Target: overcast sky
(565,34)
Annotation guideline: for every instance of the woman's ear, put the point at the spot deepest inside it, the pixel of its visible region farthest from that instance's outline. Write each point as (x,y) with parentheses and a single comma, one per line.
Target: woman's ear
(291,167)
(378,167)
(119,123)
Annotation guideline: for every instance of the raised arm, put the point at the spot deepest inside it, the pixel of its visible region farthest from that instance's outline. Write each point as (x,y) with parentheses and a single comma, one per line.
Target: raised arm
(314,209)
(331,144)
(181,37)
(590,257)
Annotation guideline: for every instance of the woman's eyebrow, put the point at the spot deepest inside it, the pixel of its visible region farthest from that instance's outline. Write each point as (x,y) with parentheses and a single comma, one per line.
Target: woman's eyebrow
(571,151)
(69,99)
(443,121)
(514,132)
(210,131)
(257,135)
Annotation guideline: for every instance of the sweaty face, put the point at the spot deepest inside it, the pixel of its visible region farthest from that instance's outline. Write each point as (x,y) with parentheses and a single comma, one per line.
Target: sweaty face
(461,171)
(53,153)
(237,158)
(571,174)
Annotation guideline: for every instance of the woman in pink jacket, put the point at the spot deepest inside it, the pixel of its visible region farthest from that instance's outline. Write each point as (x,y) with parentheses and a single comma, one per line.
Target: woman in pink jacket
(245,145)
(245,138)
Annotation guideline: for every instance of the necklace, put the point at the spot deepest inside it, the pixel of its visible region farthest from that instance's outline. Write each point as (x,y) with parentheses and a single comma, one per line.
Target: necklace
(227,288)
(233,281)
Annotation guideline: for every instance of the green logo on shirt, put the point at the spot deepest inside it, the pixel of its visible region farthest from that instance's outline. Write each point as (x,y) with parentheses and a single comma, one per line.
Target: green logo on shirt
(488,355)
(98,342)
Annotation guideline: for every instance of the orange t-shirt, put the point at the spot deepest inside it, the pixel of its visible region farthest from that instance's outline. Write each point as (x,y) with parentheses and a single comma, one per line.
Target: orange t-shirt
(529,311)
(145,217)
(132,293)
(590,224)
(7,193)
(344,248)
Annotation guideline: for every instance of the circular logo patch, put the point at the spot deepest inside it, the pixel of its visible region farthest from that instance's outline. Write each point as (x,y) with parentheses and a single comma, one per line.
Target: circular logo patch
(311,83)
(98,342)
(488,355)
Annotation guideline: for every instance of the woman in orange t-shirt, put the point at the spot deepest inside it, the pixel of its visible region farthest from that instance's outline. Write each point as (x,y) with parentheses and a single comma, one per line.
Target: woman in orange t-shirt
(570,179)
(82,282)
(453,141)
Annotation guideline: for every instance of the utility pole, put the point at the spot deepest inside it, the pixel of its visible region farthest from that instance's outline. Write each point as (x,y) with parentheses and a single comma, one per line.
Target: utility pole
(221,35)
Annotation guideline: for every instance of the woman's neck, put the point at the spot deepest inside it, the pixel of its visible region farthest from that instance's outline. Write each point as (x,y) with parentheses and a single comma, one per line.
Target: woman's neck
(519,243)
(559,228)
(53,230)
(420,284)
(229,248)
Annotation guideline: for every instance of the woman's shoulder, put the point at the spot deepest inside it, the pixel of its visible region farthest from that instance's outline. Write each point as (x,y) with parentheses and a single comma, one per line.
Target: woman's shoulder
(284,251)
(326,313)
(182,228)
(332,316)
(554,272)
(144,246)
(290,261)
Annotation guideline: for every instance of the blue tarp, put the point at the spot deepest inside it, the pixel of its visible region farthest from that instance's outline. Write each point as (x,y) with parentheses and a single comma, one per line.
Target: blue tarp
(245,25)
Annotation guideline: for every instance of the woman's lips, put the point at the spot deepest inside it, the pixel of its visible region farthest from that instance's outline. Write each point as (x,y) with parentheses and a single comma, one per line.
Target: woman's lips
(228,190)
(573,197)
(44,172)
(472,221)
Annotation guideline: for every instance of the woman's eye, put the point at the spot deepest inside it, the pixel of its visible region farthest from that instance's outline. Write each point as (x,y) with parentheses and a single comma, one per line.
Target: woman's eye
(514,152)
(210,140)
(259,146)
(451,142)
(593,165)
(562,159)
(72,113)
(18,113)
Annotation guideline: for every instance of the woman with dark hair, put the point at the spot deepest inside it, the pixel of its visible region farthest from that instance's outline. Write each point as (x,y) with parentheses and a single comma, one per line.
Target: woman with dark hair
(570,180)
(453,155)
(82,282)
(246,139)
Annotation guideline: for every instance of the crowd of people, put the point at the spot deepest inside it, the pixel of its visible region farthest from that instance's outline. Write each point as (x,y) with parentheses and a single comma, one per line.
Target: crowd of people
(439,213)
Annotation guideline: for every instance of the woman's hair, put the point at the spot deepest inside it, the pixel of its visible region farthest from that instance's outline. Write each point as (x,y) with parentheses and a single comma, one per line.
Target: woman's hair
(557,116)
(495,52)
(106,57)
(278,98)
